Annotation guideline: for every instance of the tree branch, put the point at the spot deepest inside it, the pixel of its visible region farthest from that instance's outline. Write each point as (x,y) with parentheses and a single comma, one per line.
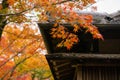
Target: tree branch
(18,53)
(62,2)
(12,70)
(10,14)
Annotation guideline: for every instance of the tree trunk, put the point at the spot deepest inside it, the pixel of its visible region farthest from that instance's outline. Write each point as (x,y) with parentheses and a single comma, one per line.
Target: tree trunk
(2,18)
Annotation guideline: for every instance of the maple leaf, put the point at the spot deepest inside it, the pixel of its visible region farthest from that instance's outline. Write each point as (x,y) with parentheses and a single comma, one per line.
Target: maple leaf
(0,6)
(76,28)
(67,44)
(55,24)
(25,77)
(3,42)
(11,2)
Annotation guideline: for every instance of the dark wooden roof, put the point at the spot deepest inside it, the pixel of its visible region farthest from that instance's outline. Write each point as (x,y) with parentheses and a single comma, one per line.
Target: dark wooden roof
(109,31)
(64,65)
(86,57)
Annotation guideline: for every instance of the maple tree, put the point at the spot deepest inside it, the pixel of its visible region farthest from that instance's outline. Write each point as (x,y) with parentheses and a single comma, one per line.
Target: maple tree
(20,45)
(52,11)
(20,54)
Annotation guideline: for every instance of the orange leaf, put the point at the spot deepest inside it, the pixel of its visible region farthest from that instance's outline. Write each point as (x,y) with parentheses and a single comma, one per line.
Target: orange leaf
(3,42)
(71,4)
(0,6)
(11,2)
(55,24)
(76,28)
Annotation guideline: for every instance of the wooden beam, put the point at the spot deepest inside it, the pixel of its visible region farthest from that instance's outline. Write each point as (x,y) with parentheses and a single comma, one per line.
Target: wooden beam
(83,56)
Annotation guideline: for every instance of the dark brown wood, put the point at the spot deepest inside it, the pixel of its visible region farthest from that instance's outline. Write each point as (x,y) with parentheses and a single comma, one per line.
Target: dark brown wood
(86,44)
(67,66)
(79,73)
(71,66)
(83,56)
(96,60)
(99,73)
(61,69)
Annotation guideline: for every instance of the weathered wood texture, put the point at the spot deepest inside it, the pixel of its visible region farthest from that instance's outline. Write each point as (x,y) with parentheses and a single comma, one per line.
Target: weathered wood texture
(82,66)
(88,60)
(62,69)
(98,73)
(83,56)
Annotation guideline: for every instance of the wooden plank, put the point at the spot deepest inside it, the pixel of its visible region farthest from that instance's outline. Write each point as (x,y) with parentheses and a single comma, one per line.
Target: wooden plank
(58,62)
(98,65)
(99,73)
(62,65)
(64,75)
(63,71)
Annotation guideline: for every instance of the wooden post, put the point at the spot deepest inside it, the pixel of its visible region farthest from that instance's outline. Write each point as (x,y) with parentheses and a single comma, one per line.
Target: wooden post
(79,73)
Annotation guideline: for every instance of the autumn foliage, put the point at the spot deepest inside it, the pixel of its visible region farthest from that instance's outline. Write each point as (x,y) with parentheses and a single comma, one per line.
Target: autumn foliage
(57,12)
(21,45)
(21,54)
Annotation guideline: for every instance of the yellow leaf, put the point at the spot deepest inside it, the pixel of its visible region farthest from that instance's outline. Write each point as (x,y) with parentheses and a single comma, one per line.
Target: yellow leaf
(71,4)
